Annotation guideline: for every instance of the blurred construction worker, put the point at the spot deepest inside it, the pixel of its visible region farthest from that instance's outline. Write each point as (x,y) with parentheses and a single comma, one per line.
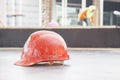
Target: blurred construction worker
(87,15)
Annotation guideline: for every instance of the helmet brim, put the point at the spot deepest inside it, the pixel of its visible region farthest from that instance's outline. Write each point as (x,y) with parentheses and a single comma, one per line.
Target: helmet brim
(24,63)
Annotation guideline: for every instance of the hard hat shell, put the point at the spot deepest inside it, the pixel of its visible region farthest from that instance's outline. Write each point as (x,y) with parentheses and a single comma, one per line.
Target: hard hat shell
(43,46)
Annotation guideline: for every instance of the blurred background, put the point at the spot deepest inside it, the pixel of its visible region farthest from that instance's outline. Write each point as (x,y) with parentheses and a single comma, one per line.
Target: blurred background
(29,13)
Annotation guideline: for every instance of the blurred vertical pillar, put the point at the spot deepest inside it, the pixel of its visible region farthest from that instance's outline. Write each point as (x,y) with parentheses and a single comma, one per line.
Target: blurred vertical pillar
(54,12)
(98,12)
(46,12)
(13,9)
(64,12)
(3,13)
(84,6)
(40,12)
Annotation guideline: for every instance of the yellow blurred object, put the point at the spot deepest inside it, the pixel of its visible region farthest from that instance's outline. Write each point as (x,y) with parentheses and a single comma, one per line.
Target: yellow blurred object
(82,14)
(87,13)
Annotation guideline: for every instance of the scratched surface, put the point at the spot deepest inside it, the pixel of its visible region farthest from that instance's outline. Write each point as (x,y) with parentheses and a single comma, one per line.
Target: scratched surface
(83,65)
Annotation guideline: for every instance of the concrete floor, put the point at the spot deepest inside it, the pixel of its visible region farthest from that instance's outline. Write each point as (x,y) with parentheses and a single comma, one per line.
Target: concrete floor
(83,65)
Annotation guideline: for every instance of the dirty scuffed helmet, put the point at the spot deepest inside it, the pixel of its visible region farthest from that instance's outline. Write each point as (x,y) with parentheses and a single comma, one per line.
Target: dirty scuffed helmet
(43,46)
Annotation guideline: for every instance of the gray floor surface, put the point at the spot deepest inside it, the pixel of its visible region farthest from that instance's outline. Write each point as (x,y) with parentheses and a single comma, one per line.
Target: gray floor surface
(83,65)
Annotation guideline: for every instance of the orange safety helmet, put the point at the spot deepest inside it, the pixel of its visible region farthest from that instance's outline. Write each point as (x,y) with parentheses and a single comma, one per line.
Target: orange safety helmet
(43,46)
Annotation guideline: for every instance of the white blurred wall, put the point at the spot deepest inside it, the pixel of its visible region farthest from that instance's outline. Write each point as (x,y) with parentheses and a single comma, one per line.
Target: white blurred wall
(19,12)
(2,12)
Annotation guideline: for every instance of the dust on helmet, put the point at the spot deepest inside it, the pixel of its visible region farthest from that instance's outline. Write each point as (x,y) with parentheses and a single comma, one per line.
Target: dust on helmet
(43,46)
